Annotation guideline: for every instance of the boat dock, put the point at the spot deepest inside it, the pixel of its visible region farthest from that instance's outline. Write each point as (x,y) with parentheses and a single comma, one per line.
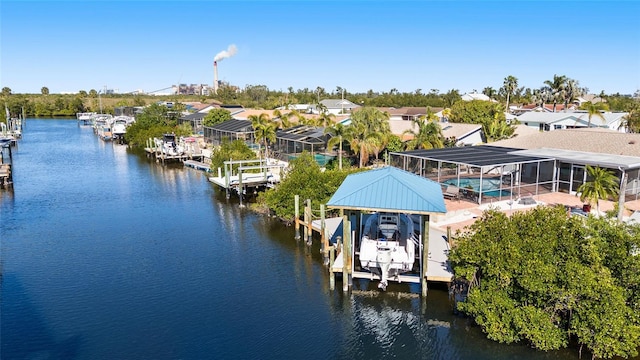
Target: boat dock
(438,269)
(198,165)
(239,175)
(192,151)
(6,180)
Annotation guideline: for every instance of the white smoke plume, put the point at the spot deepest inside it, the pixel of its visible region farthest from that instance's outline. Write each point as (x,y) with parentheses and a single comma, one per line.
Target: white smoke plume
(231,50)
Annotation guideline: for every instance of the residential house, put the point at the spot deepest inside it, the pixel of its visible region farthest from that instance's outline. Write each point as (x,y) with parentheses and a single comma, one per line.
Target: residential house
(465,134)
(337,106)
(545,121)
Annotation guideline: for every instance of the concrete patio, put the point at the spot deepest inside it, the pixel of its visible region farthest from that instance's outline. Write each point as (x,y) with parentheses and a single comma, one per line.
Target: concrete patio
(462,213)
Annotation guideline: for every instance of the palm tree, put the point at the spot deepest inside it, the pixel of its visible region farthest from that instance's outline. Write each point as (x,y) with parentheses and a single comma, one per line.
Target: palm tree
(428,136)
(489,91)
(284,118)
(602,184)
(542,96)
(264,130)
(369,132)
(338,133)
(594,109)
(631,121)
(325,119)
(557,86)
(509,86)
(571,90)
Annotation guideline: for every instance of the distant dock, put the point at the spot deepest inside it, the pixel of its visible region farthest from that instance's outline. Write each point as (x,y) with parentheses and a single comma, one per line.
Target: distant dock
(240,175)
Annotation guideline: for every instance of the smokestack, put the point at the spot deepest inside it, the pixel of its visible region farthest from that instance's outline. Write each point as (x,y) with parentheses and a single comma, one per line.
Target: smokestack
(215,77)
(231,50)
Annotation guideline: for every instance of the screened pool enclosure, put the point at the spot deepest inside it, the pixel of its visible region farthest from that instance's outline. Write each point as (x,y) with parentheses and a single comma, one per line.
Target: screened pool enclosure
(481,173)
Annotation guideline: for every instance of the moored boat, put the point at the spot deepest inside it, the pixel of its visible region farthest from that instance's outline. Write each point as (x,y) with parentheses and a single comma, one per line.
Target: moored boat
(388,245)
(120,125)
(169,146)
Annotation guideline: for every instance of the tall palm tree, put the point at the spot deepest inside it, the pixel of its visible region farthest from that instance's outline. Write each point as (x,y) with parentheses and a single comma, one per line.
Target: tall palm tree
(557,88)
(509,85)
(571,90)
(428,135)
(264,130)
(601,184)
(338,134)
(369,132)
(594,109)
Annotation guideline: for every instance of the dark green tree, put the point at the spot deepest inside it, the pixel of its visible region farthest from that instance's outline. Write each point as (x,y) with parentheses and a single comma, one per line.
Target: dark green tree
(216,116)
(231,150)
(547,279)
(306,179)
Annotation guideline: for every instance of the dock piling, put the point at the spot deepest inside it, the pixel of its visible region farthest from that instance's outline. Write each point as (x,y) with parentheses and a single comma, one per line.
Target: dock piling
(297,216)
(309,223)
(346,253)
(332,275)
(425,258)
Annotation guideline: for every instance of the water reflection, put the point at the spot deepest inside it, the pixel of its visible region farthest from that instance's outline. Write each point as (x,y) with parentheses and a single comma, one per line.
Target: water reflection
(115,256)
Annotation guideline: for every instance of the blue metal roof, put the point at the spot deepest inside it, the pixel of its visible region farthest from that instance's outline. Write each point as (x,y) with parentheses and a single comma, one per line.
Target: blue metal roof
(389,189)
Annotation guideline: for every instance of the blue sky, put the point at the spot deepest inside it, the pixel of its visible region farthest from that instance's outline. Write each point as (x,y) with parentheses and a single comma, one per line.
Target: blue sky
(357,45)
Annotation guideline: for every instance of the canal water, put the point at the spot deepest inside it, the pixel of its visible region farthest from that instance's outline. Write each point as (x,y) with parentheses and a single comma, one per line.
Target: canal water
(107,255)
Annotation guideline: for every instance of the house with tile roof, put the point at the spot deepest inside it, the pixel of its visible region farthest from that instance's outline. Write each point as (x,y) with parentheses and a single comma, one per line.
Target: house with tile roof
(549,121)
(408,113)
(573,149)
(465,134)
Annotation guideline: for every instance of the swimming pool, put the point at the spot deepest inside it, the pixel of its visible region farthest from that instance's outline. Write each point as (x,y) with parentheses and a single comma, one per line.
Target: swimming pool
(321,159)
(490,187)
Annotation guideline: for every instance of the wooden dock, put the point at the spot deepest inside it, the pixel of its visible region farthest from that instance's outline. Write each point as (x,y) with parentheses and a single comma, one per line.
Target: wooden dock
(248,174)
(6,179)
(192,152)
(198,165)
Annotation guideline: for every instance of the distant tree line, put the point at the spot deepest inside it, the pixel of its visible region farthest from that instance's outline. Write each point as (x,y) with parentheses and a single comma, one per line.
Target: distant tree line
(558,90)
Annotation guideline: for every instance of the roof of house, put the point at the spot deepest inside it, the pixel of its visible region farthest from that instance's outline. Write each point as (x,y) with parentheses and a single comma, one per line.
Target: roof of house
(338,104)
(194,116)
(409,110)
(457,130)
(245,113)
(585,158)
(597,140)
(476,96)
(576,116)
(389,189)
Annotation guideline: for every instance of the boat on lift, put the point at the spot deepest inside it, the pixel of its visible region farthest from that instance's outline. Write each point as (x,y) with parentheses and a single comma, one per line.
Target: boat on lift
(120,125)
(168,145)
(388,245)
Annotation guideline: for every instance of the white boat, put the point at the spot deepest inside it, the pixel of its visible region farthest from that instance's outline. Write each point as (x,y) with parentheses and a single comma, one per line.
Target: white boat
(120,125)
(388,245)
(85,117)
(104,132)
(100,120)
(169,146)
